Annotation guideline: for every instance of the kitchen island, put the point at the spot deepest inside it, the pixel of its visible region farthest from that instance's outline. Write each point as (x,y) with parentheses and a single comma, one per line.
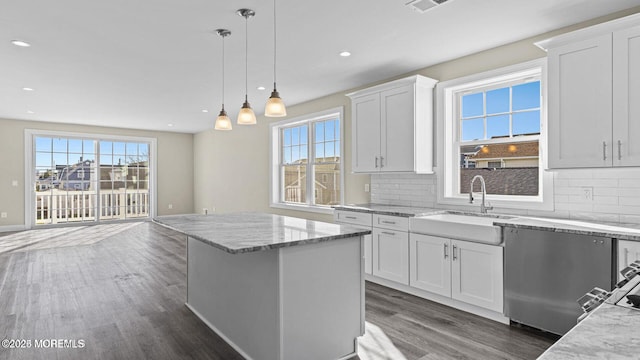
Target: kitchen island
(275,287)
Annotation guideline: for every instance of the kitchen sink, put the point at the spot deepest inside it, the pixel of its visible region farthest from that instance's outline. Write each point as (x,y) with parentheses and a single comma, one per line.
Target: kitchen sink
(478,228)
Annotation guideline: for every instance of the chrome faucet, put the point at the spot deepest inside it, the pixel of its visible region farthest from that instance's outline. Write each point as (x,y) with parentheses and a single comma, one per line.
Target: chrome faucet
(484,206)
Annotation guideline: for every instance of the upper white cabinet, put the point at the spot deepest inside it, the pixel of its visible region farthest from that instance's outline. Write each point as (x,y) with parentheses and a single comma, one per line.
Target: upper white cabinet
(594,77)
(393,127)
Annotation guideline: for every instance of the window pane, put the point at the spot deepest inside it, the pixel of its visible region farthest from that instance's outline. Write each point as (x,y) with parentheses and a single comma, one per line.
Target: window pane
(472,129)
(319,151)
(303,153)
(497,126)
(287,155)
(75,146)
(472,105)
(295,136)
(329,130)
(319,128)
(327,184)
(287,137)
(295,154)
(526,123)
(43,144)
(526,96)
(508,169)
(328,151)
(295,183)
(119,148)
(60,145)
(143,150)
(43,160)
(304,131)
(498,101)
(337,149)
(59,159)
(106,147)
(132,149)
(88,147)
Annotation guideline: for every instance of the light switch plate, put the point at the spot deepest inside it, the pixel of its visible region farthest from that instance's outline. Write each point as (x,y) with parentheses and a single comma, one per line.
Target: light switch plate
(14,183)
(3,215)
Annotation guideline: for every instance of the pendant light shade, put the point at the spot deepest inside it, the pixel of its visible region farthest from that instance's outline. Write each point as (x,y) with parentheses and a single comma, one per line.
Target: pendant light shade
(274,107)
(246,116)
(223,122)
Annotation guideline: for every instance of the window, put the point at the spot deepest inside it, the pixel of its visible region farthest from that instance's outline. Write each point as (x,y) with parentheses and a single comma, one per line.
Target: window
(493,126)
(82,178)
(306,161)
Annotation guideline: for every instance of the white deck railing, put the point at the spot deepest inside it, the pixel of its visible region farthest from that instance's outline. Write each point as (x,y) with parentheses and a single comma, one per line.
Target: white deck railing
(54,206)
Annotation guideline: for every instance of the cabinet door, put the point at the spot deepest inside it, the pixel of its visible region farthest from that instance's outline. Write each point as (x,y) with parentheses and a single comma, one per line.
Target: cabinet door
(628,252)
(397,118)
(580,85)
(476,274)
(626,97)
(429,263)
(368,249)
(391,255)
(366,133)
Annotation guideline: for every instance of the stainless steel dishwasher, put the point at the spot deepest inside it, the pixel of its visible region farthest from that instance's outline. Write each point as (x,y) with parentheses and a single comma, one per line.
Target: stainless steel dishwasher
(546,272)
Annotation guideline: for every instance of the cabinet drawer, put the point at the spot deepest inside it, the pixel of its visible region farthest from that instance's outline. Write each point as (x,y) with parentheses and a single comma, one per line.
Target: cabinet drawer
(352,217)
(391,222)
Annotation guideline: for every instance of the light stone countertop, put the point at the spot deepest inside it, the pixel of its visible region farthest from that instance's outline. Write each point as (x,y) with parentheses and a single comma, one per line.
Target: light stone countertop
(581,227)
(248,231)
(392,210)
(609,332)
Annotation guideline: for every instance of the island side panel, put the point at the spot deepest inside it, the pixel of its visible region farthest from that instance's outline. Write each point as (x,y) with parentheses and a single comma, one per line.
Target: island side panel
(322,287)
(237,296)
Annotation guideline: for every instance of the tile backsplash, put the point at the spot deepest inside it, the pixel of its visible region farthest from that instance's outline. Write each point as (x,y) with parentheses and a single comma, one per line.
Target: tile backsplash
(588,194)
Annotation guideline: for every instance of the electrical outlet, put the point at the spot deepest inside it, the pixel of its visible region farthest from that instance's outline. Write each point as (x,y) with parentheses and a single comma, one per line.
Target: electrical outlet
(14,183)
(366,187)
(170,206)
(587,193)
(3,215)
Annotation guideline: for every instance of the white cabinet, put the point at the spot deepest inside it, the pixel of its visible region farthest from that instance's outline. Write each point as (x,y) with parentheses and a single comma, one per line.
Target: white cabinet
(594,84)
(391,255)
(360,219)
(393,127)
(465,271)
(628,252)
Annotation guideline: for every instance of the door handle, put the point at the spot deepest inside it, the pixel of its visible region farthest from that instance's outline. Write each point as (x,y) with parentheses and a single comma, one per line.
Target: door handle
(446,247)
(376,162)
(381,162)
(454,253)
(619,150)
(604,150)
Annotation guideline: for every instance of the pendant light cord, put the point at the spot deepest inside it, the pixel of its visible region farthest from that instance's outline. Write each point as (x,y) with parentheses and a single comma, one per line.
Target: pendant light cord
(275,44)
(246,59)
(223,36)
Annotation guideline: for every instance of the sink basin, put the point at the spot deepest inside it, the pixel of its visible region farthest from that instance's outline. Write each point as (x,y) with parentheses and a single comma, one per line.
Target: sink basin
(458,226)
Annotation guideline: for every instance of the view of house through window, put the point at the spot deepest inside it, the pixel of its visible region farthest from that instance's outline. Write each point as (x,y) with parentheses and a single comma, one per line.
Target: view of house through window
(310,162)
(498,137)
(87,180)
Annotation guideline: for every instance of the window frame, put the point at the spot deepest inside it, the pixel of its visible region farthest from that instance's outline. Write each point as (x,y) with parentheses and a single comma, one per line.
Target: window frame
(448,142)
(276,194)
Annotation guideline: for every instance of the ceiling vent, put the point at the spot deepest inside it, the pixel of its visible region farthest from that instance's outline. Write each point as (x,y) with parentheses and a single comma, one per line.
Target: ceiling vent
(422,6)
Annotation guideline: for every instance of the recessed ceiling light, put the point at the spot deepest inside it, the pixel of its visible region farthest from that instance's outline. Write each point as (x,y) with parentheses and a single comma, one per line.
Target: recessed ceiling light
(30,112)
(205,110)
(170,125)
(27,89)
(261,88)
(345,54)
(20,43)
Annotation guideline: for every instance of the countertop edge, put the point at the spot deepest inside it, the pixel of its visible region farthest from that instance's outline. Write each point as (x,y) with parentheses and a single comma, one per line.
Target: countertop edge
(569,230)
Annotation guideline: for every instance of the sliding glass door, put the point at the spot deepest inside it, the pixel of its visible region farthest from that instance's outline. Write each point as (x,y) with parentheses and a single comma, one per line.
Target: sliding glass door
(83,179)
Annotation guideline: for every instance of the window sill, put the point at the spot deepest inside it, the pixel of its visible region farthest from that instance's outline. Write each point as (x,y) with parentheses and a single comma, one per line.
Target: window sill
(307,208)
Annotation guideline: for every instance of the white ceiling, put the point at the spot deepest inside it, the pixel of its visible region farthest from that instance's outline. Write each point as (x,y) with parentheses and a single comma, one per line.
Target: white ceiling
(148,63)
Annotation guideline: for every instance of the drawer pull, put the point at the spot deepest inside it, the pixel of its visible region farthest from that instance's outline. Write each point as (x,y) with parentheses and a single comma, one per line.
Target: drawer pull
(351,217)
(454,252)
(388,222)
(388,233)
(604,150)
(446,248)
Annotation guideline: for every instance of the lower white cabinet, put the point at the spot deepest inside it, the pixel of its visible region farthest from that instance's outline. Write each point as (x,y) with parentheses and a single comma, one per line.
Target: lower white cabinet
(466,271)
(368,254)
(628,252)
(391,255)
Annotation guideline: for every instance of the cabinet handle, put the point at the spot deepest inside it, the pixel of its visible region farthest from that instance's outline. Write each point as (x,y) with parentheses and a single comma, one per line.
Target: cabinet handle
(454,253)
(381,162)
(446,247)
(376,162)
(604,150)
(619,150)
(351,217)
(388,222)
(388,233)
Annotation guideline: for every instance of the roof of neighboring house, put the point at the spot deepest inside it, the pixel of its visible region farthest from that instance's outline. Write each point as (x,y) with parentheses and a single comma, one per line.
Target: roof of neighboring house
(503,151)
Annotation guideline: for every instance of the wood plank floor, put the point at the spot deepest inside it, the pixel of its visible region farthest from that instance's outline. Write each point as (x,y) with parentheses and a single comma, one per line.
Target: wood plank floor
(123,293)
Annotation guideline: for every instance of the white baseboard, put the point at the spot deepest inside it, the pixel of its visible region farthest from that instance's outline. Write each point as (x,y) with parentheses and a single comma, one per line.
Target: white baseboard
(7,228)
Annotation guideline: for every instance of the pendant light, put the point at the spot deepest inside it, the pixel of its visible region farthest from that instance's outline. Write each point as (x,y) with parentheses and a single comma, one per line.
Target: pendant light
(223,122)
(275,107)
(246,116)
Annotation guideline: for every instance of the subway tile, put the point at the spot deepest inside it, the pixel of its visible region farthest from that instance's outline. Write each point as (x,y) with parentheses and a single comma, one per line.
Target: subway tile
(605,191)
(610,200)
(574,174)
(624,192)
(629,183)
(617,173)
(630,219)
(594,182)
(630,200)
(587,216)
